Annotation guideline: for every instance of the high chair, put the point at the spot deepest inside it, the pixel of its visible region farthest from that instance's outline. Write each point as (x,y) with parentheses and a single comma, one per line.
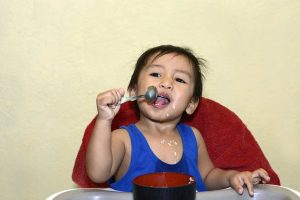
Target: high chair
(229,142)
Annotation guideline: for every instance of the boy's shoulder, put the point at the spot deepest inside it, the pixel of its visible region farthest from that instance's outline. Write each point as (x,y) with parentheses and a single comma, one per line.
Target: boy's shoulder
(196,132)
(120,133)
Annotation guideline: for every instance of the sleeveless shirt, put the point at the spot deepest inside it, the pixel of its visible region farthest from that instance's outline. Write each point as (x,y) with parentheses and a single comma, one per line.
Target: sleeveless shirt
(144,161)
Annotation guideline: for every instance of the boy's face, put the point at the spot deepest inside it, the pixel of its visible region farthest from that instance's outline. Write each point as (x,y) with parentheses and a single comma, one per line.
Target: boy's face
(174,79)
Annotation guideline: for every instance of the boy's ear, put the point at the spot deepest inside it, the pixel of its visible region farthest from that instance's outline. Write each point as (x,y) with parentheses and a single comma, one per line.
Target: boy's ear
(192,106)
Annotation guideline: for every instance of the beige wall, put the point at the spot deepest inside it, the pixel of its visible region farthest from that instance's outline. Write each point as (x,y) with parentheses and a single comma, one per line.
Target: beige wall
(55,56)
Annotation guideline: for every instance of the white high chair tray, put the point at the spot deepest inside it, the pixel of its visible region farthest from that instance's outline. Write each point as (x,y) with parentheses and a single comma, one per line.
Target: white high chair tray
(261,192)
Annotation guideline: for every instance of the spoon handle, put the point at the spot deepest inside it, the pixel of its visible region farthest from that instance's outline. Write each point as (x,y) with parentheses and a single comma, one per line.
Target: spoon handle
(132,98)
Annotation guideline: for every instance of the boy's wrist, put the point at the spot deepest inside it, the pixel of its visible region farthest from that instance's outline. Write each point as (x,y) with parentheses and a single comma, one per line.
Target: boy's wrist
(103,122)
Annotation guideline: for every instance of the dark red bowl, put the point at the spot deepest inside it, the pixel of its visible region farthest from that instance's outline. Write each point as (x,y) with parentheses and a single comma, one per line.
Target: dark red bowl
(164,185)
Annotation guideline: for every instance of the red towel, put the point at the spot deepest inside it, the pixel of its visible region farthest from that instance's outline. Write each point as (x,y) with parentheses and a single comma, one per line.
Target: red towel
(229,143)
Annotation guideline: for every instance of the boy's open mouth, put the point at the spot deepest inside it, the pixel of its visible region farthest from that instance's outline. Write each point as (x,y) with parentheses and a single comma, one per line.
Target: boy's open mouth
(162,100)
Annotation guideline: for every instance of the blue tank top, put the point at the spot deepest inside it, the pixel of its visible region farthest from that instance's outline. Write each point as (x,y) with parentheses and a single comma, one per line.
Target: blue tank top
(144,161)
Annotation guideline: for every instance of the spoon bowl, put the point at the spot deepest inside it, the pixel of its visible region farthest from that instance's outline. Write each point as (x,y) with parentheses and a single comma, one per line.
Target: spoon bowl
(151,94)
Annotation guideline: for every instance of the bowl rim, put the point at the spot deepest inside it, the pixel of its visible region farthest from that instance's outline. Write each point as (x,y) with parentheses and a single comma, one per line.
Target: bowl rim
(192,180)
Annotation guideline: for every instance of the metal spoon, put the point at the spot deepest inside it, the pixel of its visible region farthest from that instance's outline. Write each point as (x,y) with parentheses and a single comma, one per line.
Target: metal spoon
(150,96)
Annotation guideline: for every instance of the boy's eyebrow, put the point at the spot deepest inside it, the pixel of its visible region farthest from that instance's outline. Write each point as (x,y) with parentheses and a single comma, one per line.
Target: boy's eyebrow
(154,65)
(181,71)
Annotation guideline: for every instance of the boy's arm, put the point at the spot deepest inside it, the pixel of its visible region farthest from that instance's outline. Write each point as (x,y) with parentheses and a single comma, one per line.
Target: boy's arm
(213,177)
(216,178)
(105,151)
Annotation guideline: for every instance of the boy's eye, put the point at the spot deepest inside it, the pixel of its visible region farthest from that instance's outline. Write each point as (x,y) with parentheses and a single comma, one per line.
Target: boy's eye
(155,74)
(180,80)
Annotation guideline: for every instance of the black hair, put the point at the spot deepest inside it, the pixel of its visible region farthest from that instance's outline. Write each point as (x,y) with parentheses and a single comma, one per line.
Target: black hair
(158,51)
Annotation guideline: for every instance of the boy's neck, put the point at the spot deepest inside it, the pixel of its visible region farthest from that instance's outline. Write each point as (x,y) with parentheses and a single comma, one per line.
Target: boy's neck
(147,125)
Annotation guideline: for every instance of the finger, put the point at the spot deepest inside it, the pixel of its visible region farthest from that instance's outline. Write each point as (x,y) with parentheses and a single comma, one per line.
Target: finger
(115,96)
(266,179)
(237,185)
(121,92)
(102,104)
(102,100)
(118,94)
(256,180)
(265,176)
(248,182)
(106,99)
(255,177)
(261,175)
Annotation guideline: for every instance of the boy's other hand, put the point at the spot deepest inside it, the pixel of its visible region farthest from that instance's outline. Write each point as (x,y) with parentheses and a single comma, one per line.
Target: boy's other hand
(238,180)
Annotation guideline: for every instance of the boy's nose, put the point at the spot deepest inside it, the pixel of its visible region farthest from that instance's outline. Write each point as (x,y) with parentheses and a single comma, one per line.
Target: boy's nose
(166,84)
